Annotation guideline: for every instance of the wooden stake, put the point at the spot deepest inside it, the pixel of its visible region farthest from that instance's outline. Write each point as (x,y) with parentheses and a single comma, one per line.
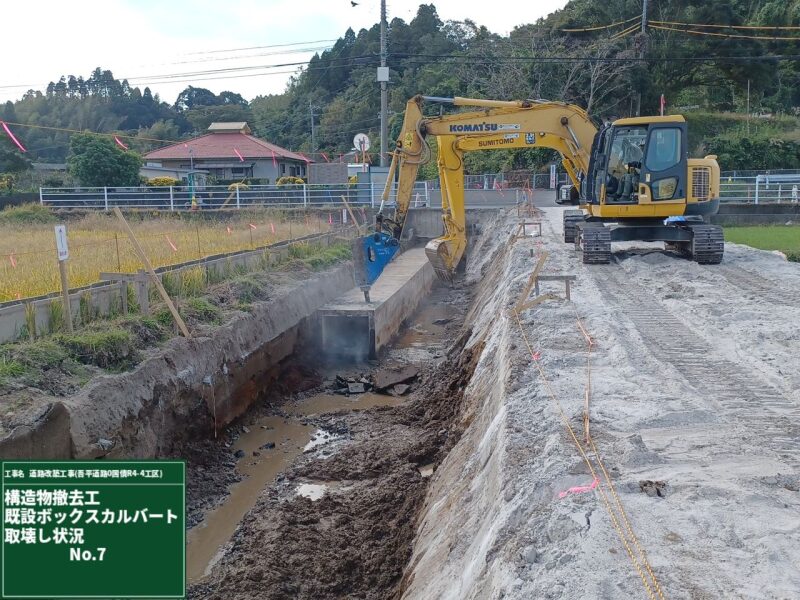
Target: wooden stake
(352,216)
(62,269)
(153,277)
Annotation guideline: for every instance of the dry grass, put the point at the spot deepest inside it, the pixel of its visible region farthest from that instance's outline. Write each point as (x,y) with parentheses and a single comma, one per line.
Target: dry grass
(28,264)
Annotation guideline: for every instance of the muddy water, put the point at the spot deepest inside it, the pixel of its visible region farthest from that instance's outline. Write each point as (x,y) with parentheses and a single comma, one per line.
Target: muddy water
(291,437)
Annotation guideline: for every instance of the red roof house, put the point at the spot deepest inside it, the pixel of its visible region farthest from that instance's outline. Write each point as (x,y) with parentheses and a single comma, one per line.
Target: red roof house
(230,152)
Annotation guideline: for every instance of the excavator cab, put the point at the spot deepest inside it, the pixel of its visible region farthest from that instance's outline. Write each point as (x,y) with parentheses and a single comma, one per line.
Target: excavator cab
(641,185)
(630,160)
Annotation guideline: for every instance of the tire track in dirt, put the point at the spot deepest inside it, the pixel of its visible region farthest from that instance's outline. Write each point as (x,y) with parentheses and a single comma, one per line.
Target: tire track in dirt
(765,414)
(747,281)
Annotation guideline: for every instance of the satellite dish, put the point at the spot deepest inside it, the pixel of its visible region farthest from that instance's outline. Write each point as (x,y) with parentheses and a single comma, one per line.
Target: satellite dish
(361,142)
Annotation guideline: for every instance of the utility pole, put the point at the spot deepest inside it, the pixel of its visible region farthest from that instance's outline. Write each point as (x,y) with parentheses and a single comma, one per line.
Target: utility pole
(313,131)
(642,50)
(383,78)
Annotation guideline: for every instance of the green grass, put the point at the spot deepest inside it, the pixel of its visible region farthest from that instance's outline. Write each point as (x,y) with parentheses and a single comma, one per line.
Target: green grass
(26,214)
(785,238)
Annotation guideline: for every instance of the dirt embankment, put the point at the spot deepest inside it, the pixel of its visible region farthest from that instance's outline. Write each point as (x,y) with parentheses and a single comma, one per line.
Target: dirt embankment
(182,389)
(694,406)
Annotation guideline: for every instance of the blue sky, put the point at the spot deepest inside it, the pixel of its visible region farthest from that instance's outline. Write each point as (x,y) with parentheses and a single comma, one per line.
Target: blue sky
(146,39)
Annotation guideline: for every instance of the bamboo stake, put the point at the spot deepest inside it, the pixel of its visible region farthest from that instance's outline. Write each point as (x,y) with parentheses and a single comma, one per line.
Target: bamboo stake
(154,278)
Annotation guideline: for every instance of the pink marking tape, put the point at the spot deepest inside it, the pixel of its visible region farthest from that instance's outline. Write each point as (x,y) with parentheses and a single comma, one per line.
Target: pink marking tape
(580,489)
(11,135)
(13,260)
(119,143)
(274,162)
(330,219)
(171,245)
(272,227)
(229,230)
(241,158)
(325,156)
(253,226)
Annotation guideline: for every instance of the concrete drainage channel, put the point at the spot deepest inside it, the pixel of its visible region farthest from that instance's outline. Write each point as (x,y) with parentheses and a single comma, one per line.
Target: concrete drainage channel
(331,483)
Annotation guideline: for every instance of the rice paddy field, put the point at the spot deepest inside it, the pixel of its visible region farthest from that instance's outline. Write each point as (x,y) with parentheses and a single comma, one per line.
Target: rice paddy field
(97,242)
(785,238)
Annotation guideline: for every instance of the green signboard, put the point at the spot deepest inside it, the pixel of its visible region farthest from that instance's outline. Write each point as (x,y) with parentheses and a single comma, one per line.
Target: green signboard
(93,529)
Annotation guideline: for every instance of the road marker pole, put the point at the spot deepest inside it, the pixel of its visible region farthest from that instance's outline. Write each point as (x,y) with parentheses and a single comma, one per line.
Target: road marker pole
(63,255)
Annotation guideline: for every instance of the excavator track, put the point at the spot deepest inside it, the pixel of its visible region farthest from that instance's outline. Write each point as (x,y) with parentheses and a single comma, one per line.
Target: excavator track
(708,244)
(595,242)
(571,220)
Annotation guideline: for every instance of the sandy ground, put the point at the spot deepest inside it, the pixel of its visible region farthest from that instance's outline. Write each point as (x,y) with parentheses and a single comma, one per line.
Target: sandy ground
(695,384)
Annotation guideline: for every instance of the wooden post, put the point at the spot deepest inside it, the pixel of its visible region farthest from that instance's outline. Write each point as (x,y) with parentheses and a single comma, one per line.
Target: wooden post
(62,269)
(119,264)
(153,277)
(352,216)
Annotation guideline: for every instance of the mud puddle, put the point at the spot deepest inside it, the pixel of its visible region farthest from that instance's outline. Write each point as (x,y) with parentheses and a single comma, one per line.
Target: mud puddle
(267,447)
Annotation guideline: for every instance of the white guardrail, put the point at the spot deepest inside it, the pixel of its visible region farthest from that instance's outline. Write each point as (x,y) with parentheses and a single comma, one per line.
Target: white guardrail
(216,197)
(755,188)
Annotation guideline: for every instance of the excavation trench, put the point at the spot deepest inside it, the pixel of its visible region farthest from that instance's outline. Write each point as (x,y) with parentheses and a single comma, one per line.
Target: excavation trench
(315,494)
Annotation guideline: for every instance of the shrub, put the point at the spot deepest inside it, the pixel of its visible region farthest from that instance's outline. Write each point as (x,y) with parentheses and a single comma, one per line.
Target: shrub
(289,180)
(163,182)
(26,214)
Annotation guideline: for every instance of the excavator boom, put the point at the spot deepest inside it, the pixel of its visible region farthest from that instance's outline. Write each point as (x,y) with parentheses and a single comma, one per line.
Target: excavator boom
(497,124)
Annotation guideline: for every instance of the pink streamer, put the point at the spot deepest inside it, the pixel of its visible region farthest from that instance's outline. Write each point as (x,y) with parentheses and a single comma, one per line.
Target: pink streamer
(305,158)
(253,226)
(272,227)
(229,230)
(580,489)
(11,135)
(119,143)
(330,219)
(171,245)
(13,260)
(274,162)
(325,156)
(241,158)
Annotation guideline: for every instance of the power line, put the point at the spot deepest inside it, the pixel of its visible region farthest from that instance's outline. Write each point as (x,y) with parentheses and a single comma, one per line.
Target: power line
(260,47)
(721,26)
(728,35)
(599,27)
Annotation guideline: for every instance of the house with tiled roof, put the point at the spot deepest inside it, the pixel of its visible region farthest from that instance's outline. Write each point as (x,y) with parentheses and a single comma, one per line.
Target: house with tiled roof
(229,151)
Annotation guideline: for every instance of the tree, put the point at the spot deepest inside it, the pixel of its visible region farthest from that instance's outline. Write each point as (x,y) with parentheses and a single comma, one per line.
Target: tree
(96,161)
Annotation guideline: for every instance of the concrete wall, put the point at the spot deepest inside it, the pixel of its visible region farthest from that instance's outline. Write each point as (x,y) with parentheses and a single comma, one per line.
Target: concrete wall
(185,389)
(104,296)
(481,198)
(427,222)
(757,214)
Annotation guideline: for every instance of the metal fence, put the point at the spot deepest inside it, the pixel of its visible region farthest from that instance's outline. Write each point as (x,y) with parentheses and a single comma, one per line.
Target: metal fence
(222,197)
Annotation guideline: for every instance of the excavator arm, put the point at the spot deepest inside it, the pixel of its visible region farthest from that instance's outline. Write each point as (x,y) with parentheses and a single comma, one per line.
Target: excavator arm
(496,125)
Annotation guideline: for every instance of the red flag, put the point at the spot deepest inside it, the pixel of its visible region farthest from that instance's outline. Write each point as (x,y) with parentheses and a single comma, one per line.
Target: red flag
(274,162)
(11,135)
(119,143)
(325,156)
(241,158)
(171,245)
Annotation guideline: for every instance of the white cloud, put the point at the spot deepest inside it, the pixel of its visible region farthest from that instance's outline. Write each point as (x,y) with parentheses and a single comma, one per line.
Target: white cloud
(46,39)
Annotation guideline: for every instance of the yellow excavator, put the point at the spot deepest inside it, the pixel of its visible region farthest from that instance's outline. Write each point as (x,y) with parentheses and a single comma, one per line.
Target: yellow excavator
(632,178)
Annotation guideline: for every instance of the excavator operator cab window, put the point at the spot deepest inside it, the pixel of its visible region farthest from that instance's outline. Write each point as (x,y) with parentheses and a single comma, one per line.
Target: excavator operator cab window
(625,157)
